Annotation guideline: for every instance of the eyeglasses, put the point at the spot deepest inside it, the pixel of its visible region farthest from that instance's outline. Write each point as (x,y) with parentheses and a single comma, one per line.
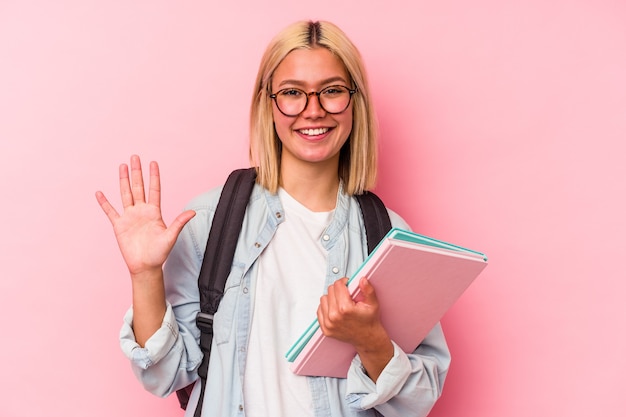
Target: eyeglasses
(333,99)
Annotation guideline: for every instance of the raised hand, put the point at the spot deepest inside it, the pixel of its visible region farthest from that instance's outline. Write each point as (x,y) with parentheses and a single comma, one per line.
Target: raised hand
(145,242)
(144,239)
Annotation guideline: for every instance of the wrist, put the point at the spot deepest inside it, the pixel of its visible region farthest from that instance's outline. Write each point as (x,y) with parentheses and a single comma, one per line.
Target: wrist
(382,348)
(375,357)
(147,276)
(378,348)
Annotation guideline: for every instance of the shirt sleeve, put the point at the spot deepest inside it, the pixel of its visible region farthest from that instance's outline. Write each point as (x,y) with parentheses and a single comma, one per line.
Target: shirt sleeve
(409,385)
(156,346)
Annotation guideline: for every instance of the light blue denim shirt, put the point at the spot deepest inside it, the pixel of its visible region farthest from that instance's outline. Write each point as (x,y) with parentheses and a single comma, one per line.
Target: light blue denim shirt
(408,386)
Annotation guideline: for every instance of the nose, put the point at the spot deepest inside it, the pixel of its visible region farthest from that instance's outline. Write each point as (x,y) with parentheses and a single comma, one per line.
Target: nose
(313,108)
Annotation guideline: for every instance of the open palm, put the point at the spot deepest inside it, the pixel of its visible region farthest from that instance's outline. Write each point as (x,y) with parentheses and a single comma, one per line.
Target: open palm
(143,237)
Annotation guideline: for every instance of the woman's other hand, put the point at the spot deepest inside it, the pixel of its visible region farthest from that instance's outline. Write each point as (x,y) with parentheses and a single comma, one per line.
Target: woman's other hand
(357,323)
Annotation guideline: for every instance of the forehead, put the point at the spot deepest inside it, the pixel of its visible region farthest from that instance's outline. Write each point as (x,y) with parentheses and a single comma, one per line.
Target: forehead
(310,68)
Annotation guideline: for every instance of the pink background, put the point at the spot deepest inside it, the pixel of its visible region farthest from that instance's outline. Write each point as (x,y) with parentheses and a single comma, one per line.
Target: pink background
(503,129)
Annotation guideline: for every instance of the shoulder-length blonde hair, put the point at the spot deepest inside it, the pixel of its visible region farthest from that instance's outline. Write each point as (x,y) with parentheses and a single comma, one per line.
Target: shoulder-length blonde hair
(358,157)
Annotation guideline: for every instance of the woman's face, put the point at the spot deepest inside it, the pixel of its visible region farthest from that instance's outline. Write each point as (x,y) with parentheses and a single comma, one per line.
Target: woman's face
(314,136)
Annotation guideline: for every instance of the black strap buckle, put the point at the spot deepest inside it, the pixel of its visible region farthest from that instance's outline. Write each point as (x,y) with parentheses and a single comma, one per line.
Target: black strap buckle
(204,322)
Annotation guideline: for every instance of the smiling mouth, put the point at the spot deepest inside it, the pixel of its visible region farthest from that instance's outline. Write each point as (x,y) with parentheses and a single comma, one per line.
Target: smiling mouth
(314,132)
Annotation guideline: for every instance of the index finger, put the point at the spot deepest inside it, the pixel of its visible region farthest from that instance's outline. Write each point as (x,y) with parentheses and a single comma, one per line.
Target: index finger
(338,294)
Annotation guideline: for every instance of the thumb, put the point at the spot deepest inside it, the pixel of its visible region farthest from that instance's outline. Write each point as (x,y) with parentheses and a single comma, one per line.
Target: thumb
(367,291)
(179,222)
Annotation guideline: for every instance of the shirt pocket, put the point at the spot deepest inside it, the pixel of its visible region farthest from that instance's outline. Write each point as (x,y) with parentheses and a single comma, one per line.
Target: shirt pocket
(224,319)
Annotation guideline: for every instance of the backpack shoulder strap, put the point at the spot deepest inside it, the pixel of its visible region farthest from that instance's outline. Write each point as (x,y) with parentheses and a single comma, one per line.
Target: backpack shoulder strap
(223,237)
(375,217)
(218,258)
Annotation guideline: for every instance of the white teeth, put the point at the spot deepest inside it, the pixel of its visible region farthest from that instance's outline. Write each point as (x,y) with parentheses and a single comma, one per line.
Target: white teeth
(314,132)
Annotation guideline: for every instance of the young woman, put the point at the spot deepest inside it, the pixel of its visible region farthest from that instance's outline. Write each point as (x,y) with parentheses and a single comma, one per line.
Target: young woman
(313,141)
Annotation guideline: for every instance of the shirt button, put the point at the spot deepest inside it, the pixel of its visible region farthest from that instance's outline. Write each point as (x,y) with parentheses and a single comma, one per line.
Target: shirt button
(326,238)
(240,407)
(257,245)
(245,290)
(335,270)
(278,215)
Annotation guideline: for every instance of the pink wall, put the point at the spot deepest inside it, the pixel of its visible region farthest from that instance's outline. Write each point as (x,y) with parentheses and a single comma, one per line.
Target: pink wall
(504,129)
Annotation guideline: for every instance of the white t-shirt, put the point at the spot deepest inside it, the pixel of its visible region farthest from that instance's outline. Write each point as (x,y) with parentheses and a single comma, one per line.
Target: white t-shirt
(290,281)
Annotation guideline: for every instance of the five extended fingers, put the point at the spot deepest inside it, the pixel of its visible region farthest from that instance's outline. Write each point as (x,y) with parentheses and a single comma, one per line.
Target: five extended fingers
(141,223)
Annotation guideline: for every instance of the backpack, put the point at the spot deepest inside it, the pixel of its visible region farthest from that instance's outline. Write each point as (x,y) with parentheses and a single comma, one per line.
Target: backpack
(220,250)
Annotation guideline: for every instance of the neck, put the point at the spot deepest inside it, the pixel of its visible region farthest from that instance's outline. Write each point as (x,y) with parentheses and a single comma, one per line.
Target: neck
(312,186)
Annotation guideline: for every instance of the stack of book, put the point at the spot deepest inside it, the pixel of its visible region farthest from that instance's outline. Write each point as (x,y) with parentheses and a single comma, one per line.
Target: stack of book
(416,278)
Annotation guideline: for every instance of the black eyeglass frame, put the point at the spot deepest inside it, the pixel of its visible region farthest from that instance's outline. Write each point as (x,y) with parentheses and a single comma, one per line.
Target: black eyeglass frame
(351,92)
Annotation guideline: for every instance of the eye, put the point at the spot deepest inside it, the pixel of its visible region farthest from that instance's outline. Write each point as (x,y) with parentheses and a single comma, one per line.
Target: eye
(291,92)
(334,90)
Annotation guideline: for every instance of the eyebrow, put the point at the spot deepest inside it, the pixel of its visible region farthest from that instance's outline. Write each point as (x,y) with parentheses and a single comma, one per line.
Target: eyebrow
(323,82)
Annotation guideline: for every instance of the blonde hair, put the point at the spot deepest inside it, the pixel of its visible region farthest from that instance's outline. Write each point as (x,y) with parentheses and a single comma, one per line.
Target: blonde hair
(358,157)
